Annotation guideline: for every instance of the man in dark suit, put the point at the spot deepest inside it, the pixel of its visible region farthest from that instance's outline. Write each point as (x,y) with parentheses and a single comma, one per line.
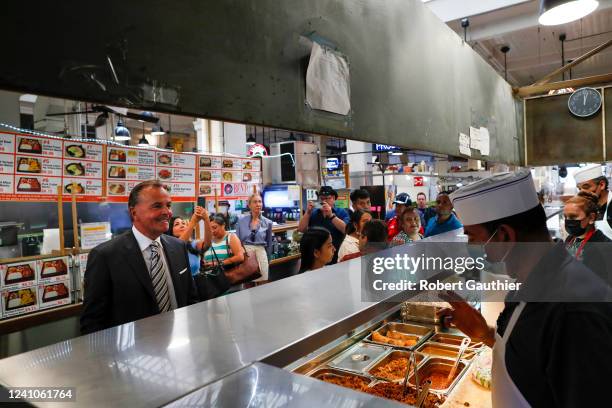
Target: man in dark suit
(140,273)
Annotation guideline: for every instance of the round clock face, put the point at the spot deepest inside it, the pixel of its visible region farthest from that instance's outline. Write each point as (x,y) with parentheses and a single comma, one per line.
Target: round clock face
(584,102)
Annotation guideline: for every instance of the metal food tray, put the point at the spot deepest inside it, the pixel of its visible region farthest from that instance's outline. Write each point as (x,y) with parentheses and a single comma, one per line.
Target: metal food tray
(454,340)
(322,371)
(468,355)
(346,361)
(445,364)
(387,358)
(418,331)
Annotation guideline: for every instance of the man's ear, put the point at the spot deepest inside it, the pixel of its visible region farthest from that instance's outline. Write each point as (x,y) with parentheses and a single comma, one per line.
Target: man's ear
(507,233)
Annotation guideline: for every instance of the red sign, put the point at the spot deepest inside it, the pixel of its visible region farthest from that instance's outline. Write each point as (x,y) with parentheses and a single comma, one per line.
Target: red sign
(418,181)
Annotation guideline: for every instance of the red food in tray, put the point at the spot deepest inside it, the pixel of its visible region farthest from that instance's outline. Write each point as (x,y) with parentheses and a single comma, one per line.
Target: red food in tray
(164,174)
(55,291)
(116,172)
(18,273)
(53,268)
(30,184)
(27,145)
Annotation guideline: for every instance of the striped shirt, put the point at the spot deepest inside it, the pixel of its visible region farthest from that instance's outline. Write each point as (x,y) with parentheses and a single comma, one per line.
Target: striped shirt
(222,250)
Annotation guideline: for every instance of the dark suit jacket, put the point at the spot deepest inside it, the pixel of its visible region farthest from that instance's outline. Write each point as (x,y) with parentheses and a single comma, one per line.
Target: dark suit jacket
(118,287)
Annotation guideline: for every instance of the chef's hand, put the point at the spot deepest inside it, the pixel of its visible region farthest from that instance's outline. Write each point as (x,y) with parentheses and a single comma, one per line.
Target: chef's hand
(309,207)
(326,210)
(465,318)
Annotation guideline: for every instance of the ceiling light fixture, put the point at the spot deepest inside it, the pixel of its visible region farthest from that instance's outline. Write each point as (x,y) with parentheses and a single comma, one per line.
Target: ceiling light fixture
(555,12)
(396,153)
(250,140)
(101,119)
(143,142)
(158,130)
(121,132)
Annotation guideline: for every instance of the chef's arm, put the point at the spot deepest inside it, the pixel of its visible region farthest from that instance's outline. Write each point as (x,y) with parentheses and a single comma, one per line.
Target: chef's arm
(466,318)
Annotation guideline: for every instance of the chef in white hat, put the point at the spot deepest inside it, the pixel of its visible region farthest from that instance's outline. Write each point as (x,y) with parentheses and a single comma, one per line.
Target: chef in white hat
(544,352)
(591,179)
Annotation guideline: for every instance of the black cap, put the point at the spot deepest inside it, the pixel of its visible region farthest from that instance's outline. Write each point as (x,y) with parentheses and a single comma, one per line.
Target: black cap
(327,191)
(402,198)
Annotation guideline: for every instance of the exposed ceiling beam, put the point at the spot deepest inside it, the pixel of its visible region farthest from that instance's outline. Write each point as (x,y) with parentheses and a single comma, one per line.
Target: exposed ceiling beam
(572,83)
(449,10)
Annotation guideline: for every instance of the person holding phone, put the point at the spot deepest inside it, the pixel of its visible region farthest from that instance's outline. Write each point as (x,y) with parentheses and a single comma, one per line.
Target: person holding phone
(183,230)
(327,216)
(255,232)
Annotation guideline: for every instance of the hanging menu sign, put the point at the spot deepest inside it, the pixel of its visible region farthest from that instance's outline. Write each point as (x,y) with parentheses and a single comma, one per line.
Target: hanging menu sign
(32,168)
(232,177)
(126,167)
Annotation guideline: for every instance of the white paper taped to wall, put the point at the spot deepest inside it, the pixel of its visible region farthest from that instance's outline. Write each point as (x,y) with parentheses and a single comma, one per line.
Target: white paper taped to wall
(464,144)
(484,141)
(327,81)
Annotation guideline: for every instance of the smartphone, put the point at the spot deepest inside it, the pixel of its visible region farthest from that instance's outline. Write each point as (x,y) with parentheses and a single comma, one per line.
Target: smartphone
(202,202)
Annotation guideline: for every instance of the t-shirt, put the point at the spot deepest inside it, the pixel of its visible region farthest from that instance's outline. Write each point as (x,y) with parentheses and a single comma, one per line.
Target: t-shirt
(349,245)
(317,220)
(433,228)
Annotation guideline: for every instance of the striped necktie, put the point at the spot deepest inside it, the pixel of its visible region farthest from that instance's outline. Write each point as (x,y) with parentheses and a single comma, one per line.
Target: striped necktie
(158,276)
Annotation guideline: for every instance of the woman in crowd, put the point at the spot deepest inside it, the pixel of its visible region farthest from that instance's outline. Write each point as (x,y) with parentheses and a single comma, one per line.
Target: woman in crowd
(353,232)
(316,248)
(445,220)
(255,232)
(225,246)
(580,214)
(410,221)
(373,238)
(183,230)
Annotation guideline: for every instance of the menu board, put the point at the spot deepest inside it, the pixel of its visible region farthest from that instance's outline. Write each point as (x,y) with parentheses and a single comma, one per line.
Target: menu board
(32,168)
(19,301)
(18,274)
(18,283)
(231,177)
(128,166)
(53,269)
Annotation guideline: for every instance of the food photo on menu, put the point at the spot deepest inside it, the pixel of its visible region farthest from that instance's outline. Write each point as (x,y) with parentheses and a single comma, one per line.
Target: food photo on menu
(19,273)
(76,188)
(164,159)
(54,291)
(28,165)
(18,298)
(205,175)
(248,165)
(117,155)
(164,174)
(116,188)
(75,151)
(75,169)
(205,161)
(52,268)
(27,145)
(228,163)
(116,172)
(205,189)
(29,184)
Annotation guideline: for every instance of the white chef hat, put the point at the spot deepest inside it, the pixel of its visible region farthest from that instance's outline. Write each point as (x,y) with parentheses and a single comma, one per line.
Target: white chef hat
(495,197)
(587,173)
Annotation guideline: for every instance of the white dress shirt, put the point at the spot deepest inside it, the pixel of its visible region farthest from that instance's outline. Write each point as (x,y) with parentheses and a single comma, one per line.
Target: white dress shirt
(144,243)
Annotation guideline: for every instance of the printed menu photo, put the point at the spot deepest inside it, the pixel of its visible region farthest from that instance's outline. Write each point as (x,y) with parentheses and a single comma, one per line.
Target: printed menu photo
(18,274)
(39,146)
(213,162)
(42,185)
(53,269)
(87,151)
(19,301)
(117,155)
(54,294)
(116,188)
(39,166)
(83,169)
(29,145)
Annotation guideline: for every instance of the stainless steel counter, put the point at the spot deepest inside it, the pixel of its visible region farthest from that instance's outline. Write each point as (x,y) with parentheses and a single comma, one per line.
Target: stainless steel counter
(261,385)
(157,360)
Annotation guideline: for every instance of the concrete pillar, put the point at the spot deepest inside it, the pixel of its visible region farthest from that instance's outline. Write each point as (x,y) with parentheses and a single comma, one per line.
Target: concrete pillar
(361,171)
(234,138)
(216,137)
(201,128)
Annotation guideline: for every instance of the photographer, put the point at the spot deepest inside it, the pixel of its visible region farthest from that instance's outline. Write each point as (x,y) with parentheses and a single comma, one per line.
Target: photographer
(327,216)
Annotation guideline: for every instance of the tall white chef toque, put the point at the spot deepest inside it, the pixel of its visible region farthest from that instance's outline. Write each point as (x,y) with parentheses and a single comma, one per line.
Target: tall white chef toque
(590,172)
(499,196)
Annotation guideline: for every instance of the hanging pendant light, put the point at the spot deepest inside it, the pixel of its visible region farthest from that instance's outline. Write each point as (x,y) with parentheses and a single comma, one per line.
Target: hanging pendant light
(555,12)
(158,130)
(121,132)
(143,142)
(250,140)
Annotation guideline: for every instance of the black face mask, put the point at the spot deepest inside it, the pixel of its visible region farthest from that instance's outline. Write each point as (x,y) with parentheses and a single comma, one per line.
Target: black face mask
(574,228)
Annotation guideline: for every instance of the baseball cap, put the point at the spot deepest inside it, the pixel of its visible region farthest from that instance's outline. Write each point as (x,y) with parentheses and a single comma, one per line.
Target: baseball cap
(327,191)
(402,198)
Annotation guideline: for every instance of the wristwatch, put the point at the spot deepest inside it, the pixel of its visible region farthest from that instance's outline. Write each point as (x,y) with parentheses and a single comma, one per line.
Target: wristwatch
(332,217)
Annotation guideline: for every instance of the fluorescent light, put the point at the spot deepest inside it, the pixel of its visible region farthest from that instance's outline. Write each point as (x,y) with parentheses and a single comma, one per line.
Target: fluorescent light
(555,12)
(396,153)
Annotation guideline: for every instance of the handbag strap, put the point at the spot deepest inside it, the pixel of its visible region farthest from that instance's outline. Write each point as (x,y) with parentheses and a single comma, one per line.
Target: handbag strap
(212,249)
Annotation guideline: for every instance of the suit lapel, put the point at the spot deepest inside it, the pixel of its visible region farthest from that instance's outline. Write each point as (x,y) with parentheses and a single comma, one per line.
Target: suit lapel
(136,261)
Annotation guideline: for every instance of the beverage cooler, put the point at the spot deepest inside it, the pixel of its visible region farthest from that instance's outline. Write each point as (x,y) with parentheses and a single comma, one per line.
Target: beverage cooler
(282,202)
